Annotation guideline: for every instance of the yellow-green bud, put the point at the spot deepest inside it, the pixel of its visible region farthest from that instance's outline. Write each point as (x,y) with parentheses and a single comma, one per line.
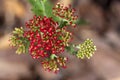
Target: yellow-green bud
(86,49)
(66,37)
(21,49)
(18,31)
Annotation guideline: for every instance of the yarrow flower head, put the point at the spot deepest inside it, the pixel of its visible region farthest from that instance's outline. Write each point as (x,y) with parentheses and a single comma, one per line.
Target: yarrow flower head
(86,49)
(46,36)
(18,40)
(66,13)
(53,64)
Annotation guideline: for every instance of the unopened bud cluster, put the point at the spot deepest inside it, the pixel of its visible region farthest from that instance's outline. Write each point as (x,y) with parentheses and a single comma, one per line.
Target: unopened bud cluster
(86,49)
(54,64)
(66,37)
(17,40)
(66,13)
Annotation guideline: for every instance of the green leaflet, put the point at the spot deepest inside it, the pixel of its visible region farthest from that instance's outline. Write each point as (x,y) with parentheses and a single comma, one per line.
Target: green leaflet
(42,8)
(36,7)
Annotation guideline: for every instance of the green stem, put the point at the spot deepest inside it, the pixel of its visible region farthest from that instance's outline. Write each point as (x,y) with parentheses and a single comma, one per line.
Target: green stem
(62,23)
(71,49)
(53,56)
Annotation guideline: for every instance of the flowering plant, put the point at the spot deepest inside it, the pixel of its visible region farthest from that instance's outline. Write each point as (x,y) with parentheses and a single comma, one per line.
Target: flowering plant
(46,36)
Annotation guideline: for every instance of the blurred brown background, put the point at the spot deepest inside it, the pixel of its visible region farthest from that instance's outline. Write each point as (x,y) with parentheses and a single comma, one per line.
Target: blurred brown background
(103,17)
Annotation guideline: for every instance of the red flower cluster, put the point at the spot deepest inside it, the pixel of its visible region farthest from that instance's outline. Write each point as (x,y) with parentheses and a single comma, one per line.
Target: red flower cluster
(65,13)
(45,37)
(53,65)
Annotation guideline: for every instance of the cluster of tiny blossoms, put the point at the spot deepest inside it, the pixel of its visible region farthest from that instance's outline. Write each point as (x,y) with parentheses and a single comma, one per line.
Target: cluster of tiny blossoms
(45,40)
(17,40)
(53,64)
(86,49)
(45,37)
(66,13)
